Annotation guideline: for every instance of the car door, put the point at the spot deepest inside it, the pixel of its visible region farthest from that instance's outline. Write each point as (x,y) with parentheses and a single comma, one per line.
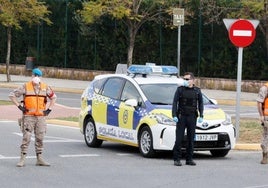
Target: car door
(130,116)
(107,108)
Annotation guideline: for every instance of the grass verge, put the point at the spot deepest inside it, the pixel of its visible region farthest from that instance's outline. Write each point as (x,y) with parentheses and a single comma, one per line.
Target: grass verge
(74,119)
(3,102)
(250,130)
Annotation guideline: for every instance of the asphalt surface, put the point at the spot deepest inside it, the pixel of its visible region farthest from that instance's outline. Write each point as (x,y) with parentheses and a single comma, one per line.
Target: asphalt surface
(77,86)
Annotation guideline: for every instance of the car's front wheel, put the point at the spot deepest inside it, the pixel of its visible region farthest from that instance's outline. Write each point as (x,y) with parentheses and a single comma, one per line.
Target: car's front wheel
(219,153)
(146,143)
(90,134)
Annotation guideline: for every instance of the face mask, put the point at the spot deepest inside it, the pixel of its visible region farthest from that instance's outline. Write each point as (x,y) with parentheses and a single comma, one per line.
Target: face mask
(36,80)
(186,83)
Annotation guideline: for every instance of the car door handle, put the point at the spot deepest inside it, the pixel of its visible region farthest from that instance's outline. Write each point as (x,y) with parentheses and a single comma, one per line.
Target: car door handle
(116,109)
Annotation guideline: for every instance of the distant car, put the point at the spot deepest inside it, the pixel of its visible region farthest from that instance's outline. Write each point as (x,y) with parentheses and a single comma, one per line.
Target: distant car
(135,109)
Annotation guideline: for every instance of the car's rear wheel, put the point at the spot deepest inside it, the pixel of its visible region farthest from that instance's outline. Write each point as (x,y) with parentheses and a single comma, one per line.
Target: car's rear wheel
(219,153)
(146,143)
(90,134)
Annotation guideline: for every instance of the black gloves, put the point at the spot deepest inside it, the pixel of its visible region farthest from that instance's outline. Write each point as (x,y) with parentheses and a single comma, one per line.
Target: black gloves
(22,108)
(47,111)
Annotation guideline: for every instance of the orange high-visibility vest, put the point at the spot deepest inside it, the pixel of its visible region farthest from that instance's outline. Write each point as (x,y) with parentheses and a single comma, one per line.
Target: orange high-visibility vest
(265,104)
(35,103)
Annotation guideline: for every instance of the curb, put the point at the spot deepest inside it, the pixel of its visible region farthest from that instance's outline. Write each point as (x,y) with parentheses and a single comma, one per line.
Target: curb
(252,147)
(62,122)
(233,102)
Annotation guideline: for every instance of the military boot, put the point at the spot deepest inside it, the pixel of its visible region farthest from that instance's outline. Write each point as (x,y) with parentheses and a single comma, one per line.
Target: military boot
(40,161)
(264,158)
(21,163)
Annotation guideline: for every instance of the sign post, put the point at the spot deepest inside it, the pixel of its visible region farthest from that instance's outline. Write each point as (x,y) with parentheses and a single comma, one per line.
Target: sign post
(241,33)
(178,20)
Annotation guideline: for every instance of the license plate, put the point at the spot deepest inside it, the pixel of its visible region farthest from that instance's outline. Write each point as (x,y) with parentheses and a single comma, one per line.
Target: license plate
(206,137)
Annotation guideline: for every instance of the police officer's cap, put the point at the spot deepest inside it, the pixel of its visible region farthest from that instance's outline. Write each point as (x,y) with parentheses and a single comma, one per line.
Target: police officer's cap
(37,72)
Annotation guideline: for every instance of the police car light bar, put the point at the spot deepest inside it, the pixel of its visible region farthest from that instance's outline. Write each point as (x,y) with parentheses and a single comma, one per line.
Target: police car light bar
(148,69)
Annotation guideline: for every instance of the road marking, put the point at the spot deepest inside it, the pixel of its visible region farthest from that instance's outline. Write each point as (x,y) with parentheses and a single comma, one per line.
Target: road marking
(245,114)
(17,157)
(63,156)
(242,33)
(123,154)
(80,155)
(258,186)
(68,107)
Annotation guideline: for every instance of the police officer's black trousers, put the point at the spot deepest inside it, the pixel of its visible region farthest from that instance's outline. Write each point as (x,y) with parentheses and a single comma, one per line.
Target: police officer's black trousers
(188,122)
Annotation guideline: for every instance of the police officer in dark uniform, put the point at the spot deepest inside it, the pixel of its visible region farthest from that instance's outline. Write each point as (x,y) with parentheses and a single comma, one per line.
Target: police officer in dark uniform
(187,103)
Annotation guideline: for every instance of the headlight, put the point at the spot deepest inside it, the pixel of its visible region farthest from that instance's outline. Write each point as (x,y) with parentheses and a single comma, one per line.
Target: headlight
(163,119)
(228,120)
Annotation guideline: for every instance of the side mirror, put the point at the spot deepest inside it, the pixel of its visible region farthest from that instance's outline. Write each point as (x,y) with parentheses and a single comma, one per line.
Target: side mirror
(214,101)
(131,102)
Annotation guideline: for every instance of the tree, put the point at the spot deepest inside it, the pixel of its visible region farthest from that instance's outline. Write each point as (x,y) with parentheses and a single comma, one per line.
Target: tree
(255,9)
(13,13)
(214,11)
(133,13)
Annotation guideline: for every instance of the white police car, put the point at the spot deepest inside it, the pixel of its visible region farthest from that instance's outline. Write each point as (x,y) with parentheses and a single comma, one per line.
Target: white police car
(135,109)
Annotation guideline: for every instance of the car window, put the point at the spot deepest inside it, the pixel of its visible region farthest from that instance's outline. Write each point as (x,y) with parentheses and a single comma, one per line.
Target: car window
(206,100)
(164,93)
(98,84)
(113,87)
(130,92)
(159,93)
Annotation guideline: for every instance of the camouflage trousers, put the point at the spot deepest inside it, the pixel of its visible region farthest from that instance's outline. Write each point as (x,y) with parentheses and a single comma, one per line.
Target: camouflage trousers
(264,142)
(36,125)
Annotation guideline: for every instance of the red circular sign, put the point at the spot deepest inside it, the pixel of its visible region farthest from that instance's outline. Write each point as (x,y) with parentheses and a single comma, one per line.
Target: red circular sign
(242,33)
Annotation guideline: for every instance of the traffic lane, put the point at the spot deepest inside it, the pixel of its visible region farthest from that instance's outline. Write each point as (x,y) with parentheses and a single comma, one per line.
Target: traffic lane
(4,92)
(116,165)
(69,99)
(245,111)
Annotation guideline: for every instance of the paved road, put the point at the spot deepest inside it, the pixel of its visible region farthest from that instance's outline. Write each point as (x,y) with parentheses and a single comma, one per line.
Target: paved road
(73,164)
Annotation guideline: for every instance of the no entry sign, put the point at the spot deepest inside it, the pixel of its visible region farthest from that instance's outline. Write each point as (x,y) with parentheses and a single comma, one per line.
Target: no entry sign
(242,33)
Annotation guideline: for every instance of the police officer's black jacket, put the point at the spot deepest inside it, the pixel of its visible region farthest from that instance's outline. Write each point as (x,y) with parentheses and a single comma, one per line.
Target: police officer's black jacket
(187,101)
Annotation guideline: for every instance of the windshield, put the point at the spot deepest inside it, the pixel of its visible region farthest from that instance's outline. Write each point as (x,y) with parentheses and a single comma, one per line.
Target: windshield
(163,93)
(159,93)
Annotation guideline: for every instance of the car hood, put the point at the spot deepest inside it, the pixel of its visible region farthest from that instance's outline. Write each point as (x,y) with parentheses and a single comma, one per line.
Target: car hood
(211,112)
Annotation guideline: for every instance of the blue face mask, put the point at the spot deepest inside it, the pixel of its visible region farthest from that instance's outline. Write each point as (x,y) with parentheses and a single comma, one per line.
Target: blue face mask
(185,83)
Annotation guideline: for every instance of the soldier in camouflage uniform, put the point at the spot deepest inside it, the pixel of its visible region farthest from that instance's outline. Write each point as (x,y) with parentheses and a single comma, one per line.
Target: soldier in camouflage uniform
(262,105)
(34,108)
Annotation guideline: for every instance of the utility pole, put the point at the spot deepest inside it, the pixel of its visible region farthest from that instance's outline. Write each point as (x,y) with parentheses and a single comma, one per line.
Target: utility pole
(66,32)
